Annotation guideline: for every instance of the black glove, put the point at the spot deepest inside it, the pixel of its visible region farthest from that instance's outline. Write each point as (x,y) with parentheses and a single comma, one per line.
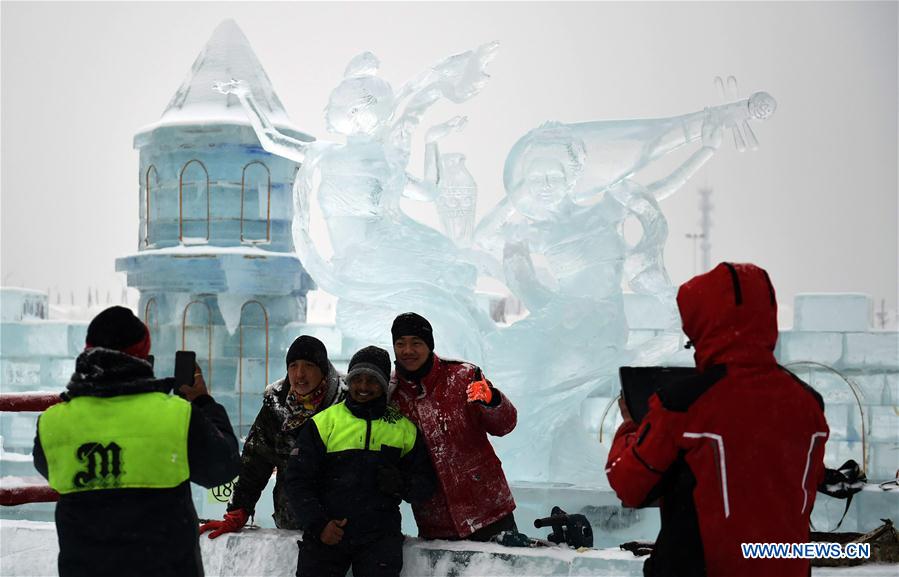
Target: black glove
(390,481)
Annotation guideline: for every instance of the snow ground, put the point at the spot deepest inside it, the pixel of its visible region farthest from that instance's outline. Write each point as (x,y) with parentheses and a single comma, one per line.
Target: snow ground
(29,548)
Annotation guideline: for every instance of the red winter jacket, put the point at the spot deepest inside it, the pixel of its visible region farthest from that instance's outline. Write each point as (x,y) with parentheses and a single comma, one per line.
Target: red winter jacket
(472,491)
(735,454)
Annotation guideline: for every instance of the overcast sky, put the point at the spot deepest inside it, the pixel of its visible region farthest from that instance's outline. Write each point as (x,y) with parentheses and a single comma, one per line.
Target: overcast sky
(816,205)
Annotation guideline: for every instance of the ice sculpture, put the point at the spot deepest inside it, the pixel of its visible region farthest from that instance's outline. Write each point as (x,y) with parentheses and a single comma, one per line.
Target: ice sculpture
(569,189)
(383,261)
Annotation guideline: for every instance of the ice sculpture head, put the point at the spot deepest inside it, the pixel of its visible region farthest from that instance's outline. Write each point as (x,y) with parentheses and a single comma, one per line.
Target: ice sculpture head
(542,170)
(761,105)
(362,102)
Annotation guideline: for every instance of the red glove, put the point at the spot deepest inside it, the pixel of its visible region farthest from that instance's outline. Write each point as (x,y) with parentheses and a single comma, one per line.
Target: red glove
(480,391)
(233,521)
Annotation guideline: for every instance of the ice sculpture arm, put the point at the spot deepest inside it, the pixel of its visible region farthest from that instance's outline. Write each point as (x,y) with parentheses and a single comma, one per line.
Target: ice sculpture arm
(521,277)
(457,78)
(271,139)
(711,141)
(488,235)
(426,188)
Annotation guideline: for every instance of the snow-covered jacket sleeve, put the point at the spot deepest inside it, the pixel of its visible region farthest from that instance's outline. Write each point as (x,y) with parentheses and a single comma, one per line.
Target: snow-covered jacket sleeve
(305,469)
(258,460)
(212,451)
(640,456)
(418,473)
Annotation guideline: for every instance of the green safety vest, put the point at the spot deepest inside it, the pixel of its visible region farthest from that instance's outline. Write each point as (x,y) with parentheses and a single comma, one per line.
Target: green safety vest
(126,442)
(340,430)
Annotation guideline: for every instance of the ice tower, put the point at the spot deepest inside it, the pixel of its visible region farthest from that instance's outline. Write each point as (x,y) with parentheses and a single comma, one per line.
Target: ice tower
(215,265)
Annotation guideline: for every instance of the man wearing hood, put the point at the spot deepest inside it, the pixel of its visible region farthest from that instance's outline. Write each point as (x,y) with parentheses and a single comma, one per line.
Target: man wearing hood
(122,452)
(353,464)
(311,385)
(735,454)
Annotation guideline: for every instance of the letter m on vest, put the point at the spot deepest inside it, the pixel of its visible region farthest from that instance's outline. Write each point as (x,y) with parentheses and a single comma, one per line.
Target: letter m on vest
(109,459)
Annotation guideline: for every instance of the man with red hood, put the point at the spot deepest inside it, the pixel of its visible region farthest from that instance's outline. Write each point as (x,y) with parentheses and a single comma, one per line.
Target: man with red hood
(733,455)
(456,408)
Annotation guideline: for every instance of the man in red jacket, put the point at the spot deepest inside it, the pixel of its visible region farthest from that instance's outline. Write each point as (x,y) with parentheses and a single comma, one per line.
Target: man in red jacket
(455,408)
(736,453)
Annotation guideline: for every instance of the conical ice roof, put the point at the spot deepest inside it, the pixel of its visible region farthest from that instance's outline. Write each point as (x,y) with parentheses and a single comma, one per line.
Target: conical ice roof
(227,55)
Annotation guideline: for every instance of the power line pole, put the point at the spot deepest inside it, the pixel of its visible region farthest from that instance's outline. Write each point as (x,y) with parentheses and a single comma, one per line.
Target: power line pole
(694,237)
(883,314)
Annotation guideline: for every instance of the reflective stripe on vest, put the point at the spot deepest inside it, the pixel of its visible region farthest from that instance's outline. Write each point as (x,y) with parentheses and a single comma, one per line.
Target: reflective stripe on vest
(340,430)
(124,442)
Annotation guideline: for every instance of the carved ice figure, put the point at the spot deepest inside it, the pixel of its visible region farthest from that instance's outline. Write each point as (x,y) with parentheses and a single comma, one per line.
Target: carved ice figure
(569,190)
(383,261)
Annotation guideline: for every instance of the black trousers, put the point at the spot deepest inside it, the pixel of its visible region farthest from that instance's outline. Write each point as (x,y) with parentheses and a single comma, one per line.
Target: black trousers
(382,557)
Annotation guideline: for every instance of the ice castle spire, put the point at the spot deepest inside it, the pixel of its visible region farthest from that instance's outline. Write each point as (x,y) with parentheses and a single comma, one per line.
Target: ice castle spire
(215,262)
(226,55)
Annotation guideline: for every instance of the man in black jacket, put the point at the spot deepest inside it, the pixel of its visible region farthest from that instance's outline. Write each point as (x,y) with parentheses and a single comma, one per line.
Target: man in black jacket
(354,462)
(312,384)
(122,452)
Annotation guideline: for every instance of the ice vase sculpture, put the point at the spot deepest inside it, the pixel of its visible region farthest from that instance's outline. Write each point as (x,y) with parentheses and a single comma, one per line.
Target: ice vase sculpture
(569,190)
(457,195)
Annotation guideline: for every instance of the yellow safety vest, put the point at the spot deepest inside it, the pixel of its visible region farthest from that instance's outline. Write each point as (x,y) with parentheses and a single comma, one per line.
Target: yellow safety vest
(125,442)
(340,430)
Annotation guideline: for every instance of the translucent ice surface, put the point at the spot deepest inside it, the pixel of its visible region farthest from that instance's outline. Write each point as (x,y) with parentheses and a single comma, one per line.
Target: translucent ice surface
(559,234)
(556,240)
(383,262)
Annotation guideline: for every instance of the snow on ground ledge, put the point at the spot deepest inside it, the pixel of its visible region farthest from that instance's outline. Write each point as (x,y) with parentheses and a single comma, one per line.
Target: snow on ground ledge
(30,548)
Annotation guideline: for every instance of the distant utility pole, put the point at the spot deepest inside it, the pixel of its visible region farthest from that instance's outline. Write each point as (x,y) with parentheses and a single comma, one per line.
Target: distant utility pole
(883,314)
(694,237)
(705,226)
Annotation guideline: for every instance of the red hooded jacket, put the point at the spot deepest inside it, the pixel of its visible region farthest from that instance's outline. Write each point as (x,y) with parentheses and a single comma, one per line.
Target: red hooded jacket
(472,491)
(735,454)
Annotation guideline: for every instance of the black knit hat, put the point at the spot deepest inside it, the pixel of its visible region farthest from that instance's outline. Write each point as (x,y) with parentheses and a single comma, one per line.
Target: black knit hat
(306,348)
(413,325)
(117,328)
(373,361)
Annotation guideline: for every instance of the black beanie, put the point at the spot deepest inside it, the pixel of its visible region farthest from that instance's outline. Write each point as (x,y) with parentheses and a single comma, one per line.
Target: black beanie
(413,325)
(306,348)
(117,328)
(373,361)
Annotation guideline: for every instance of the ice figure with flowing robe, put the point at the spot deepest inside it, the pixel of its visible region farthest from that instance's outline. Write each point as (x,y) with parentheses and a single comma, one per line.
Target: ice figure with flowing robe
(383,261)
(569,190)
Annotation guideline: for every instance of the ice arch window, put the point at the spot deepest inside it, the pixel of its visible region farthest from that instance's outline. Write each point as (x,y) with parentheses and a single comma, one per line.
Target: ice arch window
(152,205)
(255,203)
(196,335)
(193,199)
(252,373)
(151,319)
